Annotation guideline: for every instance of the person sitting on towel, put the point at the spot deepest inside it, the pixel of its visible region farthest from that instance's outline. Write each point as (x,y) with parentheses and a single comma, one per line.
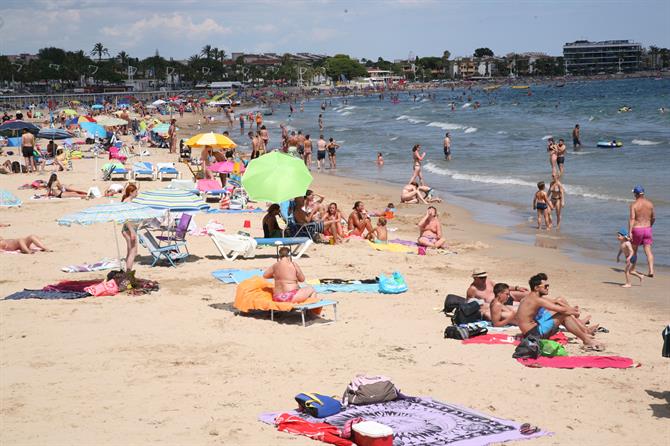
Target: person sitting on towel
(500,314)
(288,275)
(481,290)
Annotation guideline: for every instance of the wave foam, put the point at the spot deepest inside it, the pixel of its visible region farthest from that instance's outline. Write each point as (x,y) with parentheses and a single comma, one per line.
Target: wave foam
(501,132)
(466,105)
(346,113)
(471,130)
(546,137)
(444,125)
(394,138)
(645,142)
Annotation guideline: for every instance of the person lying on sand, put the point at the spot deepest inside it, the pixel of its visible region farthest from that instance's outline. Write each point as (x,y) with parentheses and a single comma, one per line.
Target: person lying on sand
(540,316)
(58,190)
(412,193)
(287,276)
(500,313)
(22,244)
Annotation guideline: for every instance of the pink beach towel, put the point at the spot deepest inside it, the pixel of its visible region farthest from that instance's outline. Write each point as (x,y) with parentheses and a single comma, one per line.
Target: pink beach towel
(579,362)
(502,338)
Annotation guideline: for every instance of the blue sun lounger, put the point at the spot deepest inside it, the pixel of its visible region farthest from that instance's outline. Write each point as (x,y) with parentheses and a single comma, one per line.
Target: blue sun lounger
(298,245)
(304,308)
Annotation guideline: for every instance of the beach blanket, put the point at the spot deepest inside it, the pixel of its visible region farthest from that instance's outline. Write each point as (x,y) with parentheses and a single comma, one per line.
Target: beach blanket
(97,266)
(8,199)
(426,422)
(346,288)
(403,242)
(233,275)
(72,285)
(234,211)
(255,293)
(317,431)
(391,247)
(502,338)
(41,294)
(579,362)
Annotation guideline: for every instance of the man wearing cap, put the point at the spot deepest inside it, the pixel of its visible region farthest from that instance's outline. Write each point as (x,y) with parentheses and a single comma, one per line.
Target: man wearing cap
(642,218)
(481,291)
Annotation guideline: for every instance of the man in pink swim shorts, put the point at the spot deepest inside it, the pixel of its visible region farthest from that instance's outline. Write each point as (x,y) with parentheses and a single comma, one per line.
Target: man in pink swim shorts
(288,275)
(642,218)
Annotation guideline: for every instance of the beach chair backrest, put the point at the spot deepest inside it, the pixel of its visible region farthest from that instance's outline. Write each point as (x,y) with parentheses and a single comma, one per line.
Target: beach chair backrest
(152,243)
(182,227)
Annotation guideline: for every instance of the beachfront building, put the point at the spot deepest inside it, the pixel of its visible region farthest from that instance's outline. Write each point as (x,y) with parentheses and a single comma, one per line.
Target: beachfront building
(464,67)
(609,56)
(381,78)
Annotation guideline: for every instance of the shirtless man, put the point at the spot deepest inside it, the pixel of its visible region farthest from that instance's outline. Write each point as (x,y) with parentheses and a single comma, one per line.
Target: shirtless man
(307,156)
(499,313)
(576,142)
(254,145)
(359,222)
(561,149)
(292,144)
(481,288)
(287,276)
(642,218)
(300,138)
(430,230)
(284,137)
(447,147)
(22,244)
(27,149)
(412,193)
(540,316)
(321,153)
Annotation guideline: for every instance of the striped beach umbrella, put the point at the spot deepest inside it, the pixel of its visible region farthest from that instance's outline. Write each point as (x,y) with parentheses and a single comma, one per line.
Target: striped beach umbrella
(110,121)
(174,200)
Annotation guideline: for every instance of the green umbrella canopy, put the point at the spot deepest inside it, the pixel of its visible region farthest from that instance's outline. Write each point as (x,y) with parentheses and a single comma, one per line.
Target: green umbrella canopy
(276,177)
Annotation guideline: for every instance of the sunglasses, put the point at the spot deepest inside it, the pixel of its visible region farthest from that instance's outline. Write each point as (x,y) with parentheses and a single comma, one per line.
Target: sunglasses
(546,285)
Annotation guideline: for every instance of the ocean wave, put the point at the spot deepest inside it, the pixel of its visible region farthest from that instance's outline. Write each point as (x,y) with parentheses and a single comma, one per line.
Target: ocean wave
(444,125)
(591,118)
(346,113)
(401,117)
(470,130)
(501,132)
(645,142)
(342,129)
(466,105)
(410,119)
(350,107)
(570,190)
(546,137)
(394,138)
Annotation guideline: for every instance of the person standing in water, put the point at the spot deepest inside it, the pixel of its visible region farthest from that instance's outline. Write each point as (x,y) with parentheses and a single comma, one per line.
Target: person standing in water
(642,218)
(557,198)
(560,156)
(447,147)
(543,206)
(553,156)
(576,142)
(416,159)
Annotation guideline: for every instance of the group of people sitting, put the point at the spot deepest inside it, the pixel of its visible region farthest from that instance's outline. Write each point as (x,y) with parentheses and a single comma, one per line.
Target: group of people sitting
(536,314)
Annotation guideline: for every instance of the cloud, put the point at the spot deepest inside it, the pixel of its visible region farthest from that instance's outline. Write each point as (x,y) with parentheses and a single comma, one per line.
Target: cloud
(323,34)
(266,28)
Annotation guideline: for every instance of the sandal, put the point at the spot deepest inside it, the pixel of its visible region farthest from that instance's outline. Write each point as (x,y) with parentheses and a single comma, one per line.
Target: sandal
(602,330)
(594,348)
(527,429)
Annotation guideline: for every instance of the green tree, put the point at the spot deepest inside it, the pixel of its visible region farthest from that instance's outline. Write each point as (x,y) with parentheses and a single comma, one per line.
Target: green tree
(207,51)
(99,49)
(482,52)
(342,65)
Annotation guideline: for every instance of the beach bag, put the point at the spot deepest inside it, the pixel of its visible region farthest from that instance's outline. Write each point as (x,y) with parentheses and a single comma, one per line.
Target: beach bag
(372,393)
(392,285)
(451,302)
(470,331)
(108,288)
(551,348)
(528,348)
(466,313)
(666,342)
(317,405)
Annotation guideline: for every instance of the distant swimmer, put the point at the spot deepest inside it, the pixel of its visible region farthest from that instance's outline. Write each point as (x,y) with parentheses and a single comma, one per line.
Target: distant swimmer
(642,218)
(662,109)
(543,206)
(576,142)
(447,147)
(380,159)
(320,122)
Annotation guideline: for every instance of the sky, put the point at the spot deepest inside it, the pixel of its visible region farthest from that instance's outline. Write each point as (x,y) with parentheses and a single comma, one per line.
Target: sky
(392,29)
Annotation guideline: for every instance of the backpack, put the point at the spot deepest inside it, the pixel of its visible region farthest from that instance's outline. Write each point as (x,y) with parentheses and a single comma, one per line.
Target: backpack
(375,392)
(456,332)
(528,348)
(451,302)
(466,313)
(317,405)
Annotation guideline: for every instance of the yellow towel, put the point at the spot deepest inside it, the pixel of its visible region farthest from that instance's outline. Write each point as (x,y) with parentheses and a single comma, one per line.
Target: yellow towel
(392,247)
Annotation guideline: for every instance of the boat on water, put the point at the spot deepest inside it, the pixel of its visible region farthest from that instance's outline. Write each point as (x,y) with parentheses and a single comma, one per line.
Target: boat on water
(520,87)
(614,144)
(562,84)
(492,87)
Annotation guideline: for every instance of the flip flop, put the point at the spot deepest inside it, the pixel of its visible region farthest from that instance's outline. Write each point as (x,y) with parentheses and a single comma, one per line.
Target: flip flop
(602,330)
(527,429)
(594,348)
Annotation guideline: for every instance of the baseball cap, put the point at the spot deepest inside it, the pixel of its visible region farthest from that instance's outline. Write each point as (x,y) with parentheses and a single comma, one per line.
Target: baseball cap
(623,232)
(479,273)
(639,190)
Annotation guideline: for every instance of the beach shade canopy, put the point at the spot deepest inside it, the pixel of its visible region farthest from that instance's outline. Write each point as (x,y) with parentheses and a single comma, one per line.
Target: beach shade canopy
(158,102)
(276,177)
(171,199)
(110,121)
(97,107)
(161,129)
(213,140)
(16,125)
(84,118)
(94,129)
(8,199)
(52,133)
(226,167)
(69,112)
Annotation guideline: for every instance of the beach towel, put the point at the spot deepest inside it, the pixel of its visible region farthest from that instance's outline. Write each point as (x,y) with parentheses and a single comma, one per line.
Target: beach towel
(233,211)
(97,266)
(8,199)
(391,247)
(403,242)
(72,285)
(325,432)
(502,338)
(41,294)
(255,293)
(233,275)
(346,288)
(579,362)
(426,422)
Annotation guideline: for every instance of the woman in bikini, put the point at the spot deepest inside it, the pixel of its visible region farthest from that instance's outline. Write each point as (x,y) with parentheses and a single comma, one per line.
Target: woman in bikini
(557,197)
(25,244)
(430,230)
(58,190)
(543,206)
(332,223)
(416,159)
(129,229)
(553,155)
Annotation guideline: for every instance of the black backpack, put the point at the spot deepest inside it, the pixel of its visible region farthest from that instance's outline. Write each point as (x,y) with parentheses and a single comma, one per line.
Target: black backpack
(456,332)
(466,313)
(529,347)
(16,167)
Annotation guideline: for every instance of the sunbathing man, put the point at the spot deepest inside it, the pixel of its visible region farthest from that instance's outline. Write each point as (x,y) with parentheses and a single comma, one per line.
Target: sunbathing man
(359,223)
(499,312)
(288,275)
(481,288)
(541,316)
(22,244)
(430,230)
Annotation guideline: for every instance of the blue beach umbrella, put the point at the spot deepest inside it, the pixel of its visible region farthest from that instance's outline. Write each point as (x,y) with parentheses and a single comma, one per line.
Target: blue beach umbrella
(16,125)
(171,199)
(52,133)
(97,107)
(112,212)
(94,129)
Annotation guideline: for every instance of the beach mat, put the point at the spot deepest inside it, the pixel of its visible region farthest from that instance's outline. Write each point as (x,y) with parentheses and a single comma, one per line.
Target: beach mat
(89,267)
(41,294)
(233,275)
(501,338)
(426,422)
(391,247)
(346,288)
(579,362)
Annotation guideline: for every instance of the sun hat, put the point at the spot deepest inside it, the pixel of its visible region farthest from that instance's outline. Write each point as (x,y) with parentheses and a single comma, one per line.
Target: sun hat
(479,273)
(638,190)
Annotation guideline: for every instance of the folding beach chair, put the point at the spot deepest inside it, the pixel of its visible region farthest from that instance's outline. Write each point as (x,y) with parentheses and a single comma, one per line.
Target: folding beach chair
(232,246)
(211,189)
(294,229)
(169,252)
(144,169)
(298,245)
(178,232)
(165,169)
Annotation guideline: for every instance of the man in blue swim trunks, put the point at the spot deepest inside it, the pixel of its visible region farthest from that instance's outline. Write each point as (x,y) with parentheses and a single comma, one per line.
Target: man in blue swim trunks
(540,316)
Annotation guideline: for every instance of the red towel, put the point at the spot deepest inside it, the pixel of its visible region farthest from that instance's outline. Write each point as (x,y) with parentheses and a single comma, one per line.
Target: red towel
(579,362)
(317,431)
(501,338)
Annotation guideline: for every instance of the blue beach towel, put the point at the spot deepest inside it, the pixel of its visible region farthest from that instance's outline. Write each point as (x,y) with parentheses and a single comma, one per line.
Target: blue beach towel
(235,275)
(347,288)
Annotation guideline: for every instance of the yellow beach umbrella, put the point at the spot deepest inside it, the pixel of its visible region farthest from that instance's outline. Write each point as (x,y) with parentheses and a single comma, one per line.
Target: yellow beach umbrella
(69,112)
(214,140)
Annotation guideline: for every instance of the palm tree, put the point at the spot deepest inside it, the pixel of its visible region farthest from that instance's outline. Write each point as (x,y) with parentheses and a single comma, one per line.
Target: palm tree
(207,51)
(99,49)
(123,57)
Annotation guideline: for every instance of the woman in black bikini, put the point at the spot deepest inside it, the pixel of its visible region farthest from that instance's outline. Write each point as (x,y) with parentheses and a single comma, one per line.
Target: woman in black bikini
(557,196)
(129,230)
(543,206)
(58,190)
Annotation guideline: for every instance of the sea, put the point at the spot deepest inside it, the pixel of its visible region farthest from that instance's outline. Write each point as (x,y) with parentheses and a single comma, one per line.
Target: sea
(499,152)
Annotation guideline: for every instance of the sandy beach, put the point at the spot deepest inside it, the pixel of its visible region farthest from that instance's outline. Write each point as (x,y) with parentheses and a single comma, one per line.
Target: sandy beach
(179,367)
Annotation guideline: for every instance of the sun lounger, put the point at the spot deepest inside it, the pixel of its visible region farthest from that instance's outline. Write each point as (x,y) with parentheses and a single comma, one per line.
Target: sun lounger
(169,252)
(298,244)
(144,169)
(231,246)
(304,308)
(167,169)
(119,171)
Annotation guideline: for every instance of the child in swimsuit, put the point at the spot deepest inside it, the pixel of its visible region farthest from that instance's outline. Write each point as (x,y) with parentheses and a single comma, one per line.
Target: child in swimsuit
(626,248)
(381,233)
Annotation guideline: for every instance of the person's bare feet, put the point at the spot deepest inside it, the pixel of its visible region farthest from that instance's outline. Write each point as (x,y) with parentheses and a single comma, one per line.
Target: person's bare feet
(626,285)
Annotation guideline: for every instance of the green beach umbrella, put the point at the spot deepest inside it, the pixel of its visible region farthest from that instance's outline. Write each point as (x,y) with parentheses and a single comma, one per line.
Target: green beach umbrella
(276,177)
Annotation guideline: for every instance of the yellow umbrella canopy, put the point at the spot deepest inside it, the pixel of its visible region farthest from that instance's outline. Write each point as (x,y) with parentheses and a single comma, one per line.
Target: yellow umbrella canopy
(69,112)
(214,140)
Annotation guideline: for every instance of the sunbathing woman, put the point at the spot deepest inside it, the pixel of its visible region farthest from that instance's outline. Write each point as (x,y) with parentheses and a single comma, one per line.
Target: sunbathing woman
(129,230)
(58,190)
(22,244)
(416,159)
(359,223)
(412,193)
(430,230)
(332,223)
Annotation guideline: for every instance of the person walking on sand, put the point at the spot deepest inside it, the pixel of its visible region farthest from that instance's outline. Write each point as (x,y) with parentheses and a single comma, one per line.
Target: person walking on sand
(447,147)
(172,135)
(416,159)
(543,206)
(557,198)
(287,276)
(626,248)
(642,218)
(27,150)
(576,141)
(129,229)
